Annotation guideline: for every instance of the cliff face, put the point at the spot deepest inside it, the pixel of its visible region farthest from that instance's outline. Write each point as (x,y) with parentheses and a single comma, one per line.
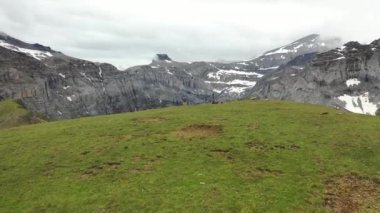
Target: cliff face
(232,80)
(346,77)
(59,86)
(63,87)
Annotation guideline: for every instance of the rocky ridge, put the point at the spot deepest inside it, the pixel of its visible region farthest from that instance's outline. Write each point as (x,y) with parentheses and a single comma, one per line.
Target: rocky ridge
(231,80)
(347,77)
(60,86)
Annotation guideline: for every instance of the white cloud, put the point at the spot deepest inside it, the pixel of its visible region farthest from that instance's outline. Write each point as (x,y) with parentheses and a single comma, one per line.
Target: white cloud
(130,32)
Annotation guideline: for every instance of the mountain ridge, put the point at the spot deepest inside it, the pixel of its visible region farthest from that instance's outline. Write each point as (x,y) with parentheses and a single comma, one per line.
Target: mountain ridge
(347,77)
(61,86)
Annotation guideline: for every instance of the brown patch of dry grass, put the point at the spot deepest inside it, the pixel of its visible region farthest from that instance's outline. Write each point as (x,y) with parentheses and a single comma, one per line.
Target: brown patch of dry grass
(143,165)
(352,193)
(149,120)
(265,147)
(257,173)
(96,169)
(116,138)
(224,153)
(198,131)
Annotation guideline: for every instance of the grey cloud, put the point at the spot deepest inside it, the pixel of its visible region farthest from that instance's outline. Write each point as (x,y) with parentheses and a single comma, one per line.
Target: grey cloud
(130,32)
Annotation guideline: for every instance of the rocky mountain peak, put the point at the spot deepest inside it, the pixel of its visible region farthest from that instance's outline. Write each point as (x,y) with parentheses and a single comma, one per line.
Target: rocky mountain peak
(353,44)
(36,51)
(307,44)
(162,57)
(345,77)
(272,60)
(16,42)
(376,43)
(3,35)
(307,39)
(355,49)
(356,46)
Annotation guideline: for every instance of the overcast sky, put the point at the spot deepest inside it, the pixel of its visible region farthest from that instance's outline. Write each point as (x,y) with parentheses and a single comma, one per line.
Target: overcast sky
(130,32)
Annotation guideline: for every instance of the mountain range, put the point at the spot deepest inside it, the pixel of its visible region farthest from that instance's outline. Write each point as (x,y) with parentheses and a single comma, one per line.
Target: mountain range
(312,69)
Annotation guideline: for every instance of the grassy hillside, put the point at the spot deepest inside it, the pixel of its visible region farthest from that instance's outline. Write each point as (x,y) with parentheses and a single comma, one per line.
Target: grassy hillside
(249,156)
(14,114)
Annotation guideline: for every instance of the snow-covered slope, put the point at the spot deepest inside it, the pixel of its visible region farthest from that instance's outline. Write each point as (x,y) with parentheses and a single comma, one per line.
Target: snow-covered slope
(36,51)
(232,80)
(37,54)
(273,59)
(240,80)
(359,104)
(307,44)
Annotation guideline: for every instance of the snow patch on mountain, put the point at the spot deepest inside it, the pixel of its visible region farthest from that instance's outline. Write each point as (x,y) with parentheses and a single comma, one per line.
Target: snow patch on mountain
(37,54)
(340,58)
(235,90)
(269,68)
(217,75)
(352,82)
(359,104)
(100,72)
(280,51)
(234,87)
(168,71)
(234,82)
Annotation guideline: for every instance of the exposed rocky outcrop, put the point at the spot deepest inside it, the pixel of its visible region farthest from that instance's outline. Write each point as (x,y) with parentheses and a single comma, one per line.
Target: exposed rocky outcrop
(273,59)
(64,87)
(346,77)
(231,80)
(20,44)
(162,57)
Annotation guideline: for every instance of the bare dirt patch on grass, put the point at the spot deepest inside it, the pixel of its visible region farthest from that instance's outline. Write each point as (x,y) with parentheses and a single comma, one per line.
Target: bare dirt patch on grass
(96,169)
(149,120)
(198,131)
(143,165)
(116,138)
(218,152)
(352,193)
(271,147)
(259,173)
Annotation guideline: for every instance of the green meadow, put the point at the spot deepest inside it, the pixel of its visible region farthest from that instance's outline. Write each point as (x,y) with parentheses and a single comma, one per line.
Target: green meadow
(243,156)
